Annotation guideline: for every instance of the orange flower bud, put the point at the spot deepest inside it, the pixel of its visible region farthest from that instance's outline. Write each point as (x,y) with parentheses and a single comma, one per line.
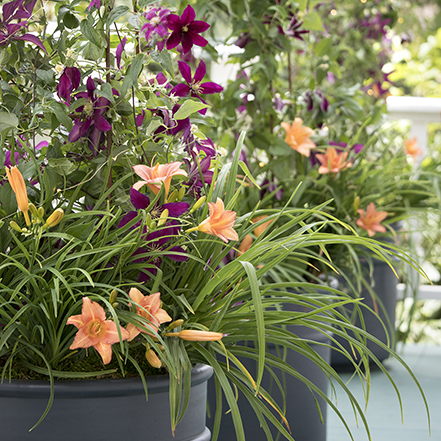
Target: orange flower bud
(18,185)
(192,335)
(153,359)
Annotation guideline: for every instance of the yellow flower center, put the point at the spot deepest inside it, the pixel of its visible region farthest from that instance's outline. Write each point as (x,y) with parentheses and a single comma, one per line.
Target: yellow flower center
(184,29)
(195,87)
(96,328)
(88,108)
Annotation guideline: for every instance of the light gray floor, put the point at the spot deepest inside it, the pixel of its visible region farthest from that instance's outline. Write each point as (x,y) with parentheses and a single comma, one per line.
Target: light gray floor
(383,410)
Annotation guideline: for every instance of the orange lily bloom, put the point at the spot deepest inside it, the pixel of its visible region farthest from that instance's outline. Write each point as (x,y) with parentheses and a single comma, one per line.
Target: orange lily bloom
(94,330)
(245,245)
(248,240)
(371,220)
(155,176)
(18,185)
(298,137)
(261,228)
(220,222)
(412,148)
(150,309)
(333,162)
(192,335)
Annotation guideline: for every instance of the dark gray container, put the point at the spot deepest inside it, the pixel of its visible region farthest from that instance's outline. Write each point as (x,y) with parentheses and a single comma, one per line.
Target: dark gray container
(385,288)
(107,410)
(301,409)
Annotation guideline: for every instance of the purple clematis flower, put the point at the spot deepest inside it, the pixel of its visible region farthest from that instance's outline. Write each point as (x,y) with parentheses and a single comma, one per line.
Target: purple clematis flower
(269,187)
(156,241)
(139,119)
(195,86)
(17,10)
(119,51)
(341,146)
(198,174)
(171,126)
(185,30)
(69,81)
(375,26)
(157,23)
(96,3)
(92,123)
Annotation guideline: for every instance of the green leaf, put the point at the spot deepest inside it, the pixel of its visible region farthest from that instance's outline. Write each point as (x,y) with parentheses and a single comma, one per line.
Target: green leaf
(302,4)
(92,52)
(61,165)
(46,75)
(7,121)
(312,22)
(91,34)
(323,46)
(116,13)
(70,21)
(106,92)
(143,3)
(60,114)
(188,108)
(132,73)
(165,60)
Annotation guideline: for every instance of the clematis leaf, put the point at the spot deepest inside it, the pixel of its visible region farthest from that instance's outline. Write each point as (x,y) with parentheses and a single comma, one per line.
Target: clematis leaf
(188,108)
(8,121)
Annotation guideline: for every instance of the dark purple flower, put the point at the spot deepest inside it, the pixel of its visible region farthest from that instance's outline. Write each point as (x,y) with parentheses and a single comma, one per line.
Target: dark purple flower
(293,29)
(341,146)
(69,81)
(194,86)
(139,119)
(140,201)
(207,146)
(157,23)
(185,30)
(375,26)
(17,10)
(278,103)
(119,51)
(198,174)
(243,40)
(268,186)
(171,126)
(156,241)
(96,3)
(314,97)
(91,123)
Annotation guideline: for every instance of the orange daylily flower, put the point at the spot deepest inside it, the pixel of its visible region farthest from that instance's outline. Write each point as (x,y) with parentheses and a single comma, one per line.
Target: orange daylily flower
(94,330)
(192,335)
(220,222)
(332,162)
(248,240)
(18,185)
(150,309)
(298,137)
(371,220)
(155,176)
(412,148)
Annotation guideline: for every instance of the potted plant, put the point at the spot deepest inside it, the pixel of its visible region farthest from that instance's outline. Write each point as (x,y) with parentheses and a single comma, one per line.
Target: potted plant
(116,216)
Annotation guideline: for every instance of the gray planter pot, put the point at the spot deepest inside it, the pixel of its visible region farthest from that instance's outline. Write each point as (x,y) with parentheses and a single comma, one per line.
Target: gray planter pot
(301,408)
(110,410)
(385,288)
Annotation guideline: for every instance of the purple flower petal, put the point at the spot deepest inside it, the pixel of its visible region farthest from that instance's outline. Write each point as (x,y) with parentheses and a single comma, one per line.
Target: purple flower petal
(127,218)
(176,257)
(139,200)
(181,90)
(187,16)
(197,39)
(185,70)
(173,40)
(198,26)
(32,39)
(119,51)
(200,72)
(101,123)
(176,209)
(209,87)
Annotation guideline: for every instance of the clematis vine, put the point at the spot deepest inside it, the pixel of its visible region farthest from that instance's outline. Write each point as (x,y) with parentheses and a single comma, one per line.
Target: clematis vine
(91,122)
(17,10)
(69,81)
(198,174)
(220,222)
(332,162)
(94,330)
(298,137)
(194,85)
(148,307)
(185,30)
(370,220)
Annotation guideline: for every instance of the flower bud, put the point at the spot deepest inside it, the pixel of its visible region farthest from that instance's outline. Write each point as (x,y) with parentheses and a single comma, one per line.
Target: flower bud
(198,204)
(112,296)
(152,358)
(40,212)
(173,196)
(148,220)
(175,324)
(163,218)
(33,210)
(15,226)
(356,203)
(54,218)
(192,335)
(181,194)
